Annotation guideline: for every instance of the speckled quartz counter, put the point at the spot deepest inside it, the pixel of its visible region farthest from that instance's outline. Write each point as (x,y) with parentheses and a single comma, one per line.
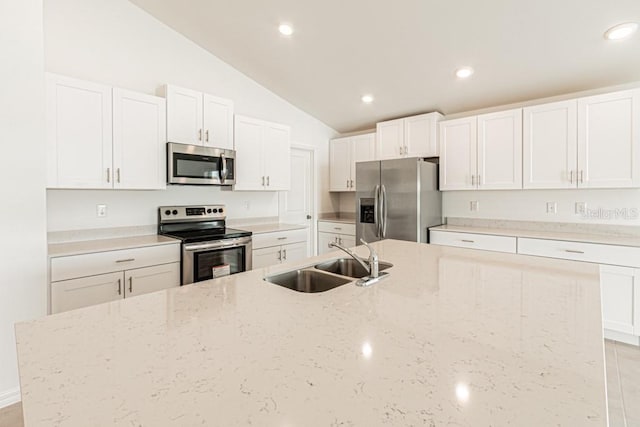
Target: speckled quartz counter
(270,227)
(101,245)
(453,337)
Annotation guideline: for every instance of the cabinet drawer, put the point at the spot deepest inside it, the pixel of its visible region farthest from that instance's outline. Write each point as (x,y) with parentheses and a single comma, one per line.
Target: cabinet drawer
(264,240)
(577,251)
(485,242)
(69,267)
(337,227)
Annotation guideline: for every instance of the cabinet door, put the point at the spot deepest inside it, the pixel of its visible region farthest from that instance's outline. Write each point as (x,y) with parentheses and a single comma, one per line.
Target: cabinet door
(184,115)
(363,149)
(266,257)
(420,135)
(347,241)
(323,242)
(150,279)
(294,251)
(340,164)
(79,138)
(609,140)
(550,145)
(617,285)
(277,157)
(139,143)
(218,122)
(458,167)
(249,154)
(500,150)
(390,136)
(76,293)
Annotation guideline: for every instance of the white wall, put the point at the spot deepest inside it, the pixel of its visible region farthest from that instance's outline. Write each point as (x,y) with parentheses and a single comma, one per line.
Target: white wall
(22,218)
(116,43)
(530,205)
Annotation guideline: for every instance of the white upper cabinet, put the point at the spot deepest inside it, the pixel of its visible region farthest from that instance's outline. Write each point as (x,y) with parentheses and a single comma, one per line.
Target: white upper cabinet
(414,136)
(99,137)
(550,138)
(78,134)
(197,118)
(482,152)
(500,150)
(262,155)
(138,140)
(344,154)
(458,154)
(609,140)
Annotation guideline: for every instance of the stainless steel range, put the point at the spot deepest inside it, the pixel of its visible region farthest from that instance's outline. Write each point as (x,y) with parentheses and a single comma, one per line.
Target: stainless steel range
(208,246)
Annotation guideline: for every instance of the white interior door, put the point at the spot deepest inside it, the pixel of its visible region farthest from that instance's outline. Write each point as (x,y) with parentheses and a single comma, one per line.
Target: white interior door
(296,204)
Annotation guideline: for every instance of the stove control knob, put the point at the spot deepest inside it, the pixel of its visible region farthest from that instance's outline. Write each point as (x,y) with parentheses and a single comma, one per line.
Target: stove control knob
(167,212)
(208,210)
(215,210)
(175,212)
(220,210)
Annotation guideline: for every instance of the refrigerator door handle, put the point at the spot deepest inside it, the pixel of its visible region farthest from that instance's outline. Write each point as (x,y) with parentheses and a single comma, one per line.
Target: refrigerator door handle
(384,212)
(376,210)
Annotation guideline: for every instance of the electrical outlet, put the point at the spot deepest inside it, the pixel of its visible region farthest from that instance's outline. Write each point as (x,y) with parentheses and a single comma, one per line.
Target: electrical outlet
(475,206)
(552,207)
(581,208)
(247,205)
(101,211)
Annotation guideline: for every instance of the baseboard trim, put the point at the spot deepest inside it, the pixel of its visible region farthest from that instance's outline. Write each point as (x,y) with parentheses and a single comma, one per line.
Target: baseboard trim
(9,397)
(622,337)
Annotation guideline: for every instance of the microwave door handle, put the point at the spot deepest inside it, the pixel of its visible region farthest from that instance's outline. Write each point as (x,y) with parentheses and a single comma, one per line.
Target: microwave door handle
(223,169)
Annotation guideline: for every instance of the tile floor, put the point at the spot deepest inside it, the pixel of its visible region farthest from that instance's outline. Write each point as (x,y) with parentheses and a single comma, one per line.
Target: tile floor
(623,382)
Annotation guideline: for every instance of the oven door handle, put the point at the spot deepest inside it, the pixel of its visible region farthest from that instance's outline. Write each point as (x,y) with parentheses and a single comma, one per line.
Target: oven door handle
(224,244)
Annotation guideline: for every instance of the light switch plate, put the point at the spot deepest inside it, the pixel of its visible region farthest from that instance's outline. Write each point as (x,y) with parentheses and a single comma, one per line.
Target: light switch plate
(474,206)
(581,208)
(101,211)
(552,207)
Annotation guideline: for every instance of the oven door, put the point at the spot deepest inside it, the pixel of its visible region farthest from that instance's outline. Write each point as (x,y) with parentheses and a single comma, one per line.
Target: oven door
(193,164)
(198,259)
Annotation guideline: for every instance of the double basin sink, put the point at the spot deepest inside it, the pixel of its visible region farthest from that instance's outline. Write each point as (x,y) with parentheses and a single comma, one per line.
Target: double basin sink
(324,276)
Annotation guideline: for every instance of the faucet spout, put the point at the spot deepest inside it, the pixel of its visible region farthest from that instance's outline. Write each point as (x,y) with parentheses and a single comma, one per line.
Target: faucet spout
(371,265)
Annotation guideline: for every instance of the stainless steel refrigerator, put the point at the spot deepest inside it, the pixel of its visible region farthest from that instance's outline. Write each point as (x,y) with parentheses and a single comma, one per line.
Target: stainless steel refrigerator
(397,199)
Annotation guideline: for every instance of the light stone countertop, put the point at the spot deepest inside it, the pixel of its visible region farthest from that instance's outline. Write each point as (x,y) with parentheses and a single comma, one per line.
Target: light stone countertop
(269,227)
(544,234)
(452,337)
(102,245)
(343,217)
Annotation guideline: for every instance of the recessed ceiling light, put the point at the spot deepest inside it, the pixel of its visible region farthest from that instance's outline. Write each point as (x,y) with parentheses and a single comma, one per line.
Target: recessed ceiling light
(621,31)
(367,99)
(285,29)
(464,72)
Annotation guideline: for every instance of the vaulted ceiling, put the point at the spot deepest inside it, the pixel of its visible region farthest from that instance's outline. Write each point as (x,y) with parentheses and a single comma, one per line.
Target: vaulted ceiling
(405,52)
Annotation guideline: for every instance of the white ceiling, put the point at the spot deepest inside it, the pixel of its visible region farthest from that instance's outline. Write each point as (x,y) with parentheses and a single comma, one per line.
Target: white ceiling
(405,52)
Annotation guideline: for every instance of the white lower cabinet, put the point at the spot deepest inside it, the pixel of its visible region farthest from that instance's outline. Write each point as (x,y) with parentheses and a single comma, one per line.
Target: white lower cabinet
(94,278)
(486,242)
(620,299)
(278,247)
(344,234)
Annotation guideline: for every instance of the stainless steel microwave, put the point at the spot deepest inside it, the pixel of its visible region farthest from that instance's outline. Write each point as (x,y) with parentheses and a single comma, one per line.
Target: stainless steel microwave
(197,165)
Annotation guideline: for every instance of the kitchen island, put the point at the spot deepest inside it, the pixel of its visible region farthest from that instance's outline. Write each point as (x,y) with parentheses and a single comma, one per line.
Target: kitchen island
(452,337)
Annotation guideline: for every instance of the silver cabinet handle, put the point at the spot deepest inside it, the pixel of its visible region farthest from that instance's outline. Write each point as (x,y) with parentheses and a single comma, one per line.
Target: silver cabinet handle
(479,180)
(282,238)
(199,134)
(401,153)
(351,183)
(340,240)
(206,135)
(284,254)
(108,174)
(581,176)
(337,228)
(263,181)
(125,260)
(467,241)
(473,180)
(130,284)
(347,183)
(280,255)
(573,251)
(119,286)
(118,174)
(571,176)
(406,150)
(268,181)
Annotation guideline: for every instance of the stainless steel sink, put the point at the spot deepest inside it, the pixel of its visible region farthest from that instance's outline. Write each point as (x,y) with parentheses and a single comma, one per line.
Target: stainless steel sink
(307,280)
(348,267)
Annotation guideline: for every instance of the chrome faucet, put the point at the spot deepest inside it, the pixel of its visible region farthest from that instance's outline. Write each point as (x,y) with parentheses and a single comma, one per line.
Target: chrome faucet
(370,265)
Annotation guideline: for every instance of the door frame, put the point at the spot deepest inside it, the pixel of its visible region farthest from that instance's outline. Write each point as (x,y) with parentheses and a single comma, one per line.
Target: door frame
(315,197)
